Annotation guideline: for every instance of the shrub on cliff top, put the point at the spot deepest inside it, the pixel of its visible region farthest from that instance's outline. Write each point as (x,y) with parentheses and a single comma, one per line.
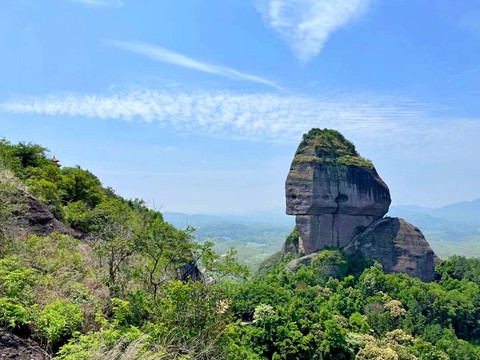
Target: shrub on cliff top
(329,146)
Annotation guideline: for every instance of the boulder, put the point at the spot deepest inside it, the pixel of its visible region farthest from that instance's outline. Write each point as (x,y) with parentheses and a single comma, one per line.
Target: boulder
(399,246)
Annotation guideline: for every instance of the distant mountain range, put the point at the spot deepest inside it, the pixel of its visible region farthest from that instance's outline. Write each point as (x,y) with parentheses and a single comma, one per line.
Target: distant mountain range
(455,222)
(255,236)
(450,229)
(465,211)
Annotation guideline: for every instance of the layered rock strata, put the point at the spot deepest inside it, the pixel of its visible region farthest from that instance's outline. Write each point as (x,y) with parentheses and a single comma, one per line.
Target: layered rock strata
(333,191)
(339,200)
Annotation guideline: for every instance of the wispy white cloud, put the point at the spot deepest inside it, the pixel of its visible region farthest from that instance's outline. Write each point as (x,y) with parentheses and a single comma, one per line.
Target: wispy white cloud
(306,24)
(165,55)
(257,116)
(100,3)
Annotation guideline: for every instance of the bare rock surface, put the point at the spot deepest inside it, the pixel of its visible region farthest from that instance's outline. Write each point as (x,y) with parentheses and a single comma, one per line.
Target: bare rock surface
(314,188)
(332,190)
(339,201)
(328,230)
(398,245)
(40,219)
(13,347)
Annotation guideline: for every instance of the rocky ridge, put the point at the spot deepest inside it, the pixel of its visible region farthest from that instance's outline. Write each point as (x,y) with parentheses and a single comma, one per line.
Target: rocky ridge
(339,200)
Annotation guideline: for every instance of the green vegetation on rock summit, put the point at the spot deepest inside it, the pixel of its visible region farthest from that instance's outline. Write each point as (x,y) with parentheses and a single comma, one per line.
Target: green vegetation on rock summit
(329,146)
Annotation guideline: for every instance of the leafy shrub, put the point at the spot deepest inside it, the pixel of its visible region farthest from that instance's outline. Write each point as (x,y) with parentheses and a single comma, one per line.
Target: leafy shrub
(13,314)
(77,215)
(58,321)
(16,280)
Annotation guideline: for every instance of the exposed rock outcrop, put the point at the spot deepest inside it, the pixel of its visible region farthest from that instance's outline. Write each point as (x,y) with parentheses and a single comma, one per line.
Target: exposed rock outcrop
(399,246)
(23,212)
(339,201)
(332,190)
(13,347)
(41,221)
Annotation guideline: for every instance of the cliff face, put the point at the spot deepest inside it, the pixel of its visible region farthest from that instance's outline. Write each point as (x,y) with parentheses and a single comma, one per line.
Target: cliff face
(332,191)
(336,195)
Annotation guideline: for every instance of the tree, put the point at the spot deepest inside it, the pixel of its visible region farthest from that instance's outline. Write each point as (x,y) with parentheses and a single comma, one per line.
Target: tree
(116,227)
(168,250)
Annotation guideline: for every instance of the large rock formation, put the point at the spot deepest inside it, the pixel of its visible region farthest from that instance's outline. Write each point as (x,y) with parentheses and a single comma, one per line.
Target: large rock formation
(333,191)
(336,195)
(398,245)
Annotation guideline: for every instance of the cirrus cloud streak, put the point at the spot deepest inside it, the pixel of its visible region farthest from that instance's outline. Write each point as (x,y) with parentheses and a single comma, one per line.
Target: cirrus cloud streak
(253,116)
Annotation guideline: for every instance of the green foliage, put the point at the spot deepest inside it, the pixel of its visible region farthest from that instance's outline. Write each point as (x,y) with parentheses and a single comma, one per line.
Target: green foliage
(16,293)
(291,242)
(13,314)
(327,141)
(358,324)
(21,156)
(125,292)
(330,147)
(221,266)
(16,280)
(331,263)
(58,321)
(81,185)
(78,216)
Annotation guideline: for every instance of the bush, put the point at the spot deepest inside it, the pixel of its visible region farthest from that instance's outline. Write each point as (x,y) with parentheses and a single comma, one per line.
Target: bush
(77,216)
(58,322)
(12,314)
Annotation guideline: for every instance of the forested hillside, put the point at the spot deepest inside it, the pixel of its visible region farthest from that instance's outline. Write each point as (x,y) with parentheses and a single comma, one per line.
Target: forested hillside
(87,274)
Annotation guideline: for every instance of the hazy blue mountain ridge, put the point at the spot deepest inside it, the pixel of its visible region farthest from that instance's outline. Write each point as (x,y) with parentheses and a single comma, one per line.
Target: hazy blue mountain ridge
(451,229)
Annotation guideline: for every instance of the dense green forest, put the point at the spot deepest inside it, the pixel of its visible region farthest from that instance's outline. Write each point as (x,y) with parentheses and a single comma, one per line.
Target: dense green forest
(126,285)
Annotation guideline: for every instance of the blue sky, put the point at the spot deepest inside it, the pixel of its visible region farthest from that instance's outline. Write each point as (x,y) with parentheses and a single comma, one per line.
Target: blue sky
(198,106)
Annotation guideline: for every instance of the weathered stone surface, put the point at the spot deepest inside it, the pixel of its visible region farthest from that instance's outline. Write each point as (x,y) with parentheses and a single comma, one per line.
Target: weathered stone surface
(190,271)
(304,260)
(13,347)
(328,230)
(316,188)
(399,246)
(41,221)
(339,201)
(332,190)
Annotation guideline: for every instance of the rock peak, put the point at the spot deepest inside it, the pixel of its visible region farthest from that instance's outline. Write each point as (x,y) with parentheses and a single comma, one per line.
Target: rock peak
(336,194)
(328,146)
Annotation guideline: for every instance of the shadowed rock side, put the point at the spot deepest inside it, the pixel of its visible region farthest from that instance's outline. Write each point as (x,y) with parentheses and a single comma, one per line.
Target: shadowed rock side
(40,219)
(339,201)
(13,347)
(399,246)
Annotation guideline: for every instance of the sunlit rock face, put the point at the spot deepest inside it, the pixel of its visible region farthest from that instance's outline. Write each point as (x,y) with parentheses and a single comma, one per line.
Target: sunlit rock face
(333,191)
(314,188)
(340,201)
